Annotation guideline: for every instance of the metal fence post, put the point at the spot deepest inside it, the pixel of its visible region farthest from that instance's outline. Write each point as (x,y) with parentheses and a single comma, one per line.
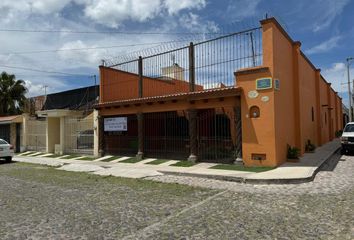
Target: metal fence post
(191,68)
(140,69)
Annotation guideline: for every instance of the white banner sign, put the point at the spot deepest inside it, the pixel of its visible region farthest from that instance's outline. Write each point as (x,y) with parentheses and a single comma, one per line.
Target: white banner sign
(115,124)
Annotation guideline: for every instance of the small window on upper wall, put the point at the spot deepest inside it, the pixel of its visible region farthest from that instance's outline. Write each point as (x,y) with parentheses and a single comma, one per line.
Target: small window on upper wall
(254,112)
(312,114)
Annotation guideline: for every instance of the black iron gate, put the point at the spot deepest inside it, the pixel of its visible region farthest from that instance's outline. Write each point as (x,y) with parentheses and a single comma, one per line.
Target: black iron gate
(123,143)
(215,136)
(5,132)
(166,135)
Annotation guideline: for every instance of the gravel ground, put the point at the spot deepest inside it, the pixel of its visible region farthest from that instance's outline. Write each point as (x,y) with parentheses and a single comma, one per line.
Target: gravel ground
(44,203)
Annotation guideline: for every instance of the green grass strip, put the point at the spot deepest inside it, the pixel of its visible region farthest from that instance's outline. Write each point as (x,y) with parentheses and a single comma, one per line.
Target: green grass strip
(131,160)
(26,154)
(183,164)
(54,156)
(87,158)
(157,161)
(71,157)
(241,168)
(110,159)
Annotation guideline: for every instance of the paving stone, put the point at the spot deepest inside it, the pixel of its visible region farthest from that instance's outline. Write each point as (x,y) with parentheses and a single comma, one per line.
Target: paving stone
(120,159)
(37,202)
(81,168)
(102,158)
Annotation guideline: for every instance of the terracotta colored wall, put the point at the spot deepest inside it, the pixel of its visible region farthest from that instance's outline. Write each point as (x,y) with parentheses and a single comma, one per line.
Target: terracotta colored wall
(307,80)
(288,118)
(324,111)
(285,99)
(119,85)
(258,134)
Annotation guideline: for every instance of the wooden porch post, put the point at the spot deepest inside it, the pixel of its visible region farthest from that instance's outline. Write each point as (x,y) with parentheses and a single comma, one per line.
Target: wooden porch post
(192,117)
(140,154)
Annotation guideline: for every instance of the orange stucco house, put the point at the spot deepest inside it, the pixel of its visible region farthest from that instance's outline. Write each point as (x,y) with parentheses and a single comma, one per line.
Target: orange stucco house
(280,98)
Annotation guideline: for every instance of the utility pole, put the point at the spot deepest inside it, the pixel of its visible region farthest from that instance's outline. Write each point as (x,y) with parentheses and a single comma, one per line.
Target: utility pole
(94,77)
(45,90)
(349,89)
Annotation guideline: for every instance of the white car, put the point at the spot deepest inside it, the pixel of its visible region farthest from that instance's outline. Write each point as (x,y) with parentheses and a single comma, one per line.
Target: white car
(347,139)
(6,150)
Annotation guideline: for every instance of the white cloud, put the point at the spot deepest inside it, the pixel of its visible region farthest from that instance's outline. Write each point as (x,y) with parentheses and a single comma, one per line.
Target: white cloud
(337,75)
(194,23)
(33,6)
(174,6)
(107,12)
(325,46)
(329,10)
(240,9)
(113,12)
(35,84)
(51,14)
(91,57)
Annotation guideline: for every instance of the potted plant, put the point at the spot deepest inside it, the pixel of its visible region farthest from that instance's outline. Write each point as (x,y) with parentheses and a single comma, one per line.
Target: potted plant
(339,133)
(310,147)
(293,154)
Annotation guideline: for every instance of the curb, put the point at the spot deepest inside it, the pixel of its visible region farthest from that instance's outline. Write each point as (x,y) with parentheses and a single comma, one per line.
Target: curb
(256,181)
(210,176)
(292,180)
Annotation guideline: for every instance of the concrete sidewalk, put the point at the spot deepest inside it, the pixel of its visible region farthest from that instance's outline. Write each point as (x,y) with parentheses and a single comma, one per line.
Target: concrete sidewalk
(303,171)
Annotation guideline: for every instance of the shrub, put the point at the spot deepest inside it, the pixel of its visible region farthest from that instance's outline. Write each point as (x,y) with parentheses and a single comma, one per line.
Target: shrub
(339,133)
(293,152)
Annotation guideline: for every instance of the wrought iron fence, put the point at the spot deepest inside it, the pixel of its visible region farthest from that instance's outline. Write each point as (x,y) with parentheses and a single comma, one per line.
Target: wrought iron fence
(37,134)
(123,143)
(166,136)
(198,66)
(79,135)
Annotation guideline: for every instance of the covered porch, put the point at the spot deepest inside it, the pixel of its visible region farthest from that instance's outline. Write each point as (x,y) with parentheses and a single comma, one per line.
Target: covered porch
(198,126)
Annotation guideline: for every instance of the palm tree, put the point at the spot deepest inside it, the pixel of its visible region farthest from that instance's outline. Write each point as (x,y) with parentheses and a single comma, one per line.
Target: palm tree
(12,94)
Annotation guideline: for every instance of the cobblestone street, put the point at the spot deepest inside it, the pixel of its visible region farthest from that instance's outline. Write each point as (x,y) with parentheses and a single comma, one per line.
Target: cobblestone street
(37,202)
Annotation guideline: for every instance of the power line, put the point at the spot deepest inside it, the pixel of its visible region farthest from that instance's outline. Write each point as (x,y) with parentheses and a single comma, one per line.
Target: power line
(92,48)
(105,32)
(44,71)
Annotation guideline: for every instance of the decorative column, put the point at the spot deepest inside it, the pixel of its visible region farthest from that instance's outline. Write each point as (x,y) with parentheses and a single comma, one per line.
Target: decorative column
(101,147)
(192,117)
(95,134)
(62,135)
(140,154)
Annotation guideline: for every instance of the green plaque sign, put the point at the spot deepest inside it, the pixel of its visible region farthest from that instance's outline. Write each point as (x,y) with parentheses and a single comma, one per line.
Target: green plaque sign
(263,83)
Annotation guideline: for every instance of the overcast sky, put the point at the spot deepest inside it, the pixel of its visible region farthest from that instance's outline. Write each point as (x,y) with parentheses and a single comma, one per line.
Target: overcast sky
(325,28)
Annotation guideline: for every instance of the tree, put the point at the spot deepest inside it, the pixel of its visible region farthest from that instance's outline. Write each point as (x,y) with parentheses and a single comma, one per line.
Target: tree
(12,94)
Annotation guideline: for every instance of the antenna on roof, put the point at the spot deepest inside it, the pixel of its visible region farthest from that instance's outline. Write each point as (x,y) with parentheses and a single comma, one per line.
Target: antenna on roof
(173,58)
